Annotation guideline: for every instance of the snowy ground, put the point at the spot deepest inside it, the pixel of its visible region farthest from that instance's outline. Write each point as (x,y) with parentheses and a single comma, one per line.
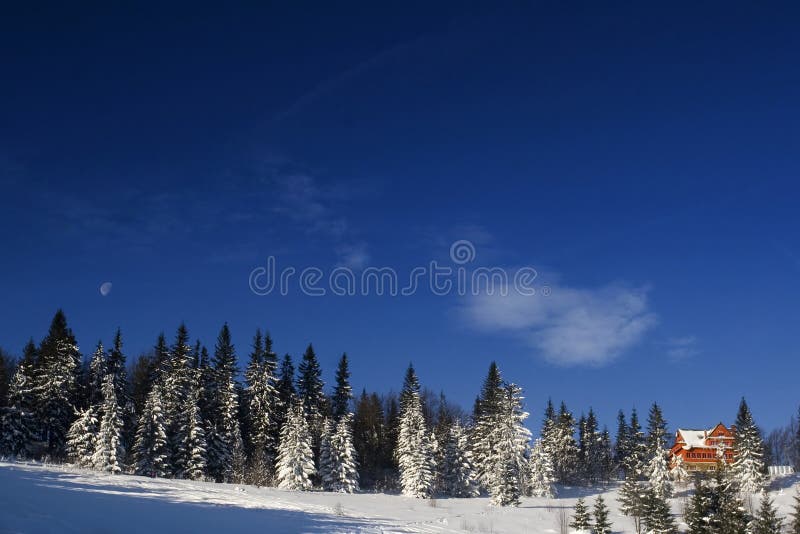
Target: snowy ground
(36,498)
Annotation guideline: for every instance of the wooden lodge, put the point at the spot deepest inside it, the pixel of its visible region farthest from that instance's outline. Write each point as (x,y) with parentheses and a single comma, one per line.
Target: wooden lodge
(700,449)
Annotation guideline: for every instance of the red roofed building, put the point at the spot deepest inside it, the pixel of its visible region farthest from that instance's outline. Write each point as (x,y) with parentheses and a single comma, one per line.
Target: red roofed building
(699,449)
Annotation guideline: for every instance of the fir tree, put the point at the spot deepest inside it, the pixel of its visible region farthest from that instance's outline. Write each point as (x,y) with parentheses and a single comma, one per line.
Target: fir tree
(110,452)
(295,465)
(562,446)
(342,474)
(191,457)
(540,475)
(55,390)
(657,517)
(343,393)
(117,369)
(223,430)
(260,398)
(176,380)
(581,522)
(631,500)
(602,523)
(17,422)
(748,452)
(457,470)
(488,409)
(767,521)
(82,438)
(325,468)
(98,369)
(679,473)
(415,445)
(310,391)
(511,438)
(370,438)
(622,444)
(150,448)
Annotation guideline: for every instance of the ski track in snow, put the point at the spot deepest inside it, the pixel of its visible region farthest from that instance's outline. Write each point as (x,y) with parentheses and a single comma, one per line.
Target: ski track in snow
(36,498)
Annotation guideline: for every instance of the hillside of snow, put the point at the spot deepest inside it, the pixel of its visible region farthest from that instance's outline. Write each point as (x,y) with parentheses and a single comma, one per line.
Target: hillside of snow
(35,498)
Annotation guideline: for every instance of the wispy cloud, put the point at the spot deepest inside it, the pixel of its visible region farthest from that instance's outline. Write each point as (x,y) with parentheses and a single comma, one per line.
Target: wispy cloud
(680,348)
(570,326)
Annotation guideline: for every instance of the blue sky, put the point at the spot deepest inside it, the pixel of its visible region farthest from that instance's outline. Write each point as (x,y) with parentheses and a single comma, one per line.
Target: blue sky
(642,159)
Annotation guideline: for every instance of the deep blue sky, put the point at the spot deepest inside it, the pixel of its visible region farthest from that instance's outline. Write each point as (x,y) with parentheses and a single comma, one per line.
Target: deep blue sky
(643,159)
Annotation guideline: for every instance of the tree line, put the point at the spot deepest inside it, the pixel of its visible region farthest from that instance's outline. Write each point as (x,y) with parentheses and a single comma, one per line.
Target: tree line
(183,412)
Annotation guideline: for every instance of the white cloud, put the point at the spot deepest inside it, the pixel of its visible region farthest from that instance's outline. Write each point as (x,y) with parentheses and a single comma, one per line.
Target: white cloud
(570,326)
(680,348)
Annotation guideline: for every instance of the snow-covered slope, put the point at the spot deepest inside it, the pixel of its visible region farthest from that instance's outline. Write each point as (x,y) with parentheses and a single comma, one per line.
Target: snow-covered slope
(36,498)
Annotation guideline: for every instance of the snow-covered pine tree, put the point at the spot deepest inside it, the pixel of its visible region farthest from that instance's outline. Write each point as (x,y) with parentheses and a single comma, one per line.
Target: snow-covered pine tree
(540,472)
(602,523)
(343,472)
(657,468)
(767,520)
(679,473)
(98,369)
(488,408)
(748,466)
(260,400)
(191,458)
(581,521)
(310,390)
(176,380)
(109,453)
(295,465)
(511,438)
(457,470)
(657,517)
(82,438)
(56,384)
(343,392)
(16,422)
(324,467)
(286,393)
(592,450)
(631,500)
(622,443)
(116,367)
(563,448)
(415,449)
(150,447)
(606,459)
(223,427)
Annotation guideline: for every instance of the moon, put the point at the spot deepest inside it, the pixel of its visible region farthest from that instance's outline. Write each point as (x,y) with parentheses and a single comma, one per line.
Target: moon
(105,288)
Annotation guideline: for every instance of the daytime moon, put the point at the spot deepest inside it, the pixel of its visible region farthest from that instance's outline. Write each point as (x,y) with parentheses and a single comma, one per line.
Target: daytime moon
(105,288)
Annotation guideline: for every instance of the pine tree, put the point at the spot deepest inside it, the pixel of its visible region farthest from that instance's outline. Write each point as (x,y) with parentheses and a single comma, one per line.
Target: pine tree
(679,473)
(176,379)
(622,443)
(56,382)
(562,446)
(488,409)
(295,465)
(325,467)
(370,438)
(540,476)
(581,522)
(98,369)
(343,474)
(150,448)
(223,430)
(508,461)
(116,367)
(767,521)
(631,499)
(657,517)
(286,392)
(415,449)
(343,393)
(191,457)
(310,391)
(602,523)
(260,398)
(457,470)
(748,452)
(657,468)
(82,438)
(17,422)
(110,452)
